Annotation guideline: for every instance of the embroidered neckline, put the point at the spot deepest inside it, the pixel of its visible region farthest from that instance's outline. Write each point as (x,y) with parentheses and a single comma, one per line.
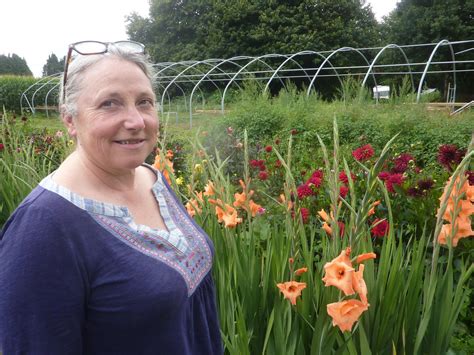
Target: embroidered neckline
(173,235)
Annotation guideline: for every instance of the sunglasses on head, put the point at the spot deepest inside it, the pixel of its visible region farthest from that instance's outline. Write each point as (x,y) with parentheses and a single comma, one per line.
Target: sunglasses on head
(96,47)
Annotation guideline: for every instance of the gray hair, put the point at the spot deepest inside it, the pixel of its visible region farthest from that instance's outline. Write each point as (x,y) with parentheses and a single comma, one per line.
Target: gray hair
(81,63)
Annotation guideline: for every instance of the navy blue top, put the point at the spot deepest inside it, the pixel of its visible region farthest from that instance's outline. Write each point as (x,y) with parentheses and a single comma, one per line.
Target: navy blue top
(80,277)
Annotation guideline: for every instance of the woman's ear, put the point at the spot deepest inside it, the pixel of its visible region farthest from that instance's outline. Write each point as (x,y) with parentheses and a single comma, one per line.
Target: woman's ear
(69,122)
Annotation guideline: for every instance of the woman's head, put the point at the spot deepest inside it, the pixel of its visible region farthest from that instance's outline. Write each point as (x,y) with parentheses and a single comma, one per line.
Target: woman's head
(71,89)
(109,109)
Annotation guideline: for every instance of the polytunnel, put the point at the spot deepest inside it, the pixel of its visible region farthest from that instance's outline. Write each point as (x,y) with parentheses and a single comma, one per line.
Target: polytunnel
(185,79)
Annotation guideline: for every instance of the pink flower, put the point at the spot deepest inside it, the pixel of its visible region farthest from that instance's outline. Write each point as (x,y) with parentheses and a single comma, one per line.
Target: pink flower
(304,214)
(263,175)
(316,178)
(2,147)
(344,179)
(401,163)
(363,153)
(343,190)
(304,191)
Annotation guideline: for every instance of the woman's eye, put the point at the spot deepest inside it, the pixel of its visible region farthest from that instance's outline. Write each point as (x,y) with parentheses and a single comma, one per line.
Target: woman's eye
(107,103)
(147,102)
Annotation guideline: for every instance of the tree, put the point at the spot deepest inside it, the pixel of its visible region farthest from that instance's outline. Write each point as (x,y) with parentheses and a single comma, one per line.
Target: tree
(200,29)
(13,65)
(430,21)
(53,65)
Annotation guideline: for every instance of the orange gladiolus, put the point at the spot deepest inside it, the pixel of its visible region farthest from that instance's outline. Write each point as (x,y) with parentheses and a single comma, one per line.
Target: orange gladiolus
(193,207)
(344,314)
(363,257)
(464,208)
(165,166)
(209,189)
(289,204)
(359,285)
(169,154)
(324,215)
(301,271)
(230,218)
(372,208)
(339,274)
(327,228)
(255,208)
(462,230)
(291,290)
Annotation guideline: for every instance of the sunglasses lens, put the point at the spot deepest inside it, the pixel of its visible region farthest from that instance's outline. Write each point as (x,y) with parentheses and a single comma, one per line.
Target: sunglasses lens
(90,47)
(128,46)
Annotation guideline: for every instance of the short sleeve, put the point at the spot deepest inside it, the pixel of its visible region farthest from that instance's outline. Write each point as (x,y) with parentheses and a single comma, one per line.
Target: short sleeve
(42,286)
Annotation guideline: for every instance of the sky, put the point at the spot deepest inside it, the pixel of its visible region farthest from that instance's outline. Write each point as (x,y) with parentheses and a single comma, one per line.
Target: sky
(34,29)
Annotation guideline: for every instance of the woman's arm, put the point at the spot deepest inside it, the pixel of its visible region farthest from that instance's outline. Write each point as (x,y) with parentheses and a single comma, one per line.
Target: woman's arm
(42,297)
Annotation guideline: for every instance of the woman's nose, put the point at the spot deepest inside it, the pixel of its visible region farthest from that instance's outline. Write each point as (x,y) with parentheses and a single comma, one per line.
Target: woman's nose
(134,119)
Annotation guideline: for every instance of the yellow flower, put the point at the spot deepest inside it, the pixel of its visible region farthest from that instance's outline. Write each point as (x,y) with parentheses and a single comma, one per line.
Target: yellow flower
(179,181)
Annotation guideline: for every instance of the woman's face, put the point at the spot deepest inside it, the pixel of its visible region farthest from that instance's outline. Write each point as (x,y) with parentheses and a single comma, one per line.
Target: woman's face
(116,123)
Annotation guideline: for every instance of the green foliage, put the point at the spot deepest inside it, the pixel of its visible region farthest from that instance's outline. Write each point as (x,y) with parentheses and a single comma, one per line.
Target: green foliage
(26,157)
(361,121)
(12,87)
(415,21)
(13,65)
(53,65)
(185,30)
(415,293)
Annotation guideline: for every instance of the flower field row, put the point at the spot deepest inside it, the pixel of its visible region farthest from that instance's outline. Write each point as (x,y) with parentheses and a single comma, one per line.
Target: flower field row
(359,250)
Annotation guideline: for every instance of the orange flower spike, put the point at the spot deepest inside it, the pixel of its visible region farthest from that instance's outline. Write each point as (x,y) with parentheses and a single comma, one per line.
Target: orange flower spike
(463,230)
(291,290)
(301,271)
(324,215)
(363,257)
(344,314)
(359,285)
(327,228)
(372,208)
(209,189)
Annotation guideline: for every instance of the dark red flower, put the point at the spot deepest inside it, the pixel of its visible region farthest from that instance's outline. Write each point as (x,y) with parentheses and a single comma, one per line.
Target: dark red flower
(263,175)
(277,141)
(342,227)
(316,178)
(363,153)
(470,177)
(294,131)
(449,156)
(384,175)
(304,191)
(304,214)
(2,147)
(268,148)
(24,118)
(401,163)
(414,192)
(380,228)
(278,163)
(343,190)
(344,179)
(425,184)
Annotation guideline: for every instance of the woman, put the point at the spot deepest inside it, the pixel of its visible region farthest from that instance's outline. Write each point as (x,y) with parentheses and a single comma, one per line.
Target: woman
(101,258)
